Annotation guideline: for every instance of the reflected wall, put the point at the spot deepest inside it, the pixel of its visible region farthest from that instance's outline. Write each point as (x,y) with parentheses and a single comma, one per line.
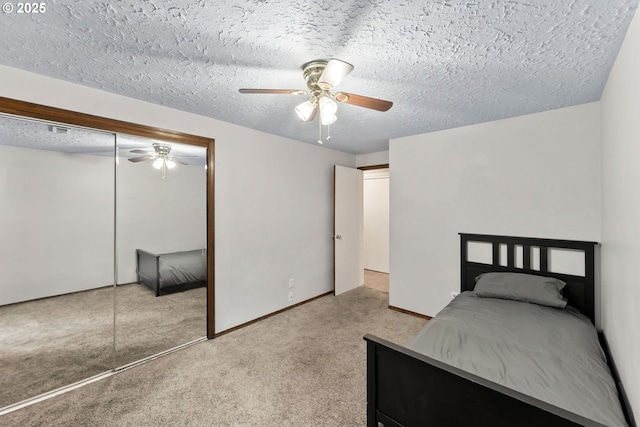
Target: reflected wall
(160,213)
(73,211)
(57,252)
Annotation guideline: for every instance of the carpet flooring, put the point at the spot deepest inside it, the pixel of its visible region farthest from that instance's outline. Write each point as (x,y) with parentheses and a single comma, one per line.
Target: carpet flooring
(302,367)
(376,280)
(52,342)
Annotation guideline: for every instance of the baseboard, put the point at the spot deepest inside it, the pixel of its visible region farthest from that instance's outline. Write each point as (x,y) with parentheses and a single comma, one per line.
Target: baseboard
(624,399)
(376,271)
(235,328)
(413,313)
(57,295)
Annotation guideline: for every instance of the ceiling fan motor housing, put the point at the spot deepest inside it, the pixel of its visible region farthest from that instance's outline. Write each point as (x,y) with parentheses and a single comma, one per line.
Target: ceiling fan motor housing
(311,72)
(163,150)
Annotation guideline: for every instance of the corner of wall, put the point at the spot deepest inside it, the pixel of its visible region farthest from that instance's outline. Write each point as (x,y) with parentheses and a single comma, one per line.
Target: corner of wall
(372,159)
(620,173)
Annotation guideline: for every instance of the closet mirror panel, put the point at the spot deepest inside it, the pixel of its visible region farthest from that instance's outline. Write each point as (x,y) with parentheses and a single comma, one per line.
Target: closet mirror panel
(161,238)
(56,256)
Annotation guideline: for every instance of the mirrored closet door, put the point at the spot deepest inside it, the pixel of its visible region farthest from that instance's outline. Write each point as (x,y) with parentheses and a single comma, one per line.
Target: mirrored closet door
(161,242)
(56,256)
(104,256)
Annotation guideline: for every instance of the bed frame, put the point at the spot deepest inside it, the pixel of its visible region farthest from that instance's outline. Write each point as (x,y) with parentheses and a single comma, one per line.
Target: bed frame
(148,265)
(406,388)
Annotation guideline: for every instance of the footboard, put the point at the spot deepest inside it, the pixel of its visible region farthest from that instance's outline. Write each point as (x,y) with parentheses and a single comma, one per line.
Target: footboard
(405,388)
(147,270)
(171,272)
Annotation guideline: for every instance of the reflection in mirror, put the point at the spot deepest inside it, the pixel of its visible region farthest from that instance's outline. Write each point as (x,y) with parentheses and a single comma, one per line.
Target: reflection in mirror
(57,256)
(161,295)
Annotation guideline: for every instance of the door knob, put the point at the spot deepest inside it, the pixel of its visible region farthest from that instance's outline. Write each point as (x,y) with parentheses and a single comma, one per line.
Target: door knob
(338,236)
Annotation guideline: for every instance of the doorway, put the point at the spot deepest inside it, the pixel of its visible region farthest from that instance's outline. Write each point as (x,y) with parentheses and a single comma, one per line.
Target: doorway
(350,267)
(376,228)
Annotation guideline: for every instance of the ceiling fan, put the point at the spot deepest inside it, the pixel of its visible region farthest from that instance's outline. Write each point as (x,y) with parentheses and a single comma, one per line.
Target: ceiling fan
(321,77)
(160,157)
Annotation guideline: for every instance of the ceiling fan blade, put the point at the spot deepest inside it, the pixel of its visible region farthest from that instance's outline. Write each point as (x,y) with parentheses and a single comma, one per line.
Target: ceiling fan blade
(275,91)
(334,72)
(363,101)
(141,151)
(142,158)
(178,161)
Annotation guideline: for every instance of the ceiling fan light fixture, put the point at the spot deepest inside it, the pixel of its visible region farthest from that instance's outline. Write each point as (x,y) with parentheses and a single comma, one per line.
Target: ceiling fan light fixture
(328,106)
(328,119)
(334,72)
(305,110)
(170,163)
(157,163)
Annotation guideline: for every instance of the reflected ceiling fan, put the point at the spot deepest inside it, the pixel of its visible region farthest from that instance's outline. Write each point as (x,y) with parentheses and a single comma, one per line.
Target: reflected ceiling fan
(160,156)
(321,77)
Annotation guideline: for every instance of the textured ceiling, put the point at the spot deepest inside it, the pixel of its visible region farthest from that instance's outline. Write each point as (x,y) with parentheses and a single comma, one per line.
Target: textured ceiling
(39,135)
(444,63)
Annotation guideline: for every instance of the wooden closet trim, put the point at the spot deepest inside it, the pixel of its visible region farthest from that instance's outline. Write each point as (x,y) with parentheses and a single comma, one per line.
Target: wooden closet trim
(52,114)
(372,167)
(43,112)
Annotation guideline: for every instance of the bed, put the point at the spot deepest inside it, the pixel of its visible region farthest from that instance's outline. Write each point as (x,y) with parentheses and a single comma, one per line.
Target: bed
(171,272)
(501,362)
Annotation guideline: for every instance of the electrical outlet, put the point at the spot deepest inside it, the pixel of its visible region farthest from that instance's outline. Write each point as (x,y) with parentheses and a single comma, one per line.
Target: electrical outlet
(290,296)
(454,294)
(291,283)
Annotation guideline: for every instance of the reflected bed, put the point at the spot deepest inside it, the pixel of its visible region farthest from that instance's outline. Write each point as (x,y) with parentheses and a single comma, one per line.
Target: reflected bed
(172,272)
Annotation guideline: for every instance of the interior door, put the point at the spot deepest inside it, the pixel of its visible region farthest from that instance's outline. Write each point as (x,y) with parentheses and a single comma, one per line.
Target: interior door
(347,229)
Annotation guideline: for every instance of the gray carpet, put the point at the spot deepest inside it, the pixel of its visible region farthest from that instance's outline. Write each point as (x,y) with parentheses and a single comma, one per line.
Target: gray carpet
(147,325)
(377,280)
(303,367)
(52,342)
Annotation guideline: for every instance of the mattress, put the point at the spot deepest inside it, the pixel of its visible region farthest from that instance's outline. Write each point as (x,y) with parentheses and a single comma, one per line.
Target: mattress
(548,353)
(177,268)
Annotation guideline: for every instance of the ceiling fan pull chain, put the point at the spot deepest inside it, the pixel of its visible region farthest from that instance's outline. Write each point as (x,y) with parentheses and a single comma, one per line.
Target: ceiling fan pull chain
(319,131)
(328,132)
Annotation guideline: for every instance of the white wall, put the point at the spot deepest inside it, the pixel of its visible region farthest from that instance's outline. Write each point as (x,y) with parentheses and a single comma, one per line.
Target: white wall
(273,196)
(376,219)
(620,105)
(274,221)
(372,159)
(56,219)
(158,215)
(535,176)
(56,223)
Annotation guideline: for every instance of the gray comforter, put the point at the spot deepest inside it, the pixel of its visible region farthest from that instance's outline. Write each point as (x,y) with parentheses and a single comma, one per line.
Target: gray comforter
(182,267)
(547,353)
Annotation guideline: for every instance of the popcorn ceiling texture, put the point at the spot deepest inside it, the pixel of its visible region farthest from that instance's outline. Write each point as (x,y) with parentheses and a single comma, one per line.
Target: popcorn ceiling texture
(37,135)
(444,63)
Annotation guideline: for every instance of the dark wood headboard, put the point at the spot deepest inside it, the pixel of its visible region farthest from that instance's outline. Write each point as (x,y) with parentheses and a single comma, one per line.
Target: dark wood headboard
(579,291)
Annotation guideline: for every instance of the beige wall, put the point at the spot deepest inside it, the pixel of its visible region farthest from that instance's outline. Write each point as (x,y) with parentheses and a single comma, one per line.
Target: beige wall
(56,222)
(376,219)
(534,176)
(620,106)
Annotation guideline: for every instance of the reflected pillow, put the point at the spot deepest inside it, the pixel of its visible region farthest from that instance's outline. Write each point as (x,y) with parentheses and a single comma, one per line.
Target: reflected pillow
(521,287)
